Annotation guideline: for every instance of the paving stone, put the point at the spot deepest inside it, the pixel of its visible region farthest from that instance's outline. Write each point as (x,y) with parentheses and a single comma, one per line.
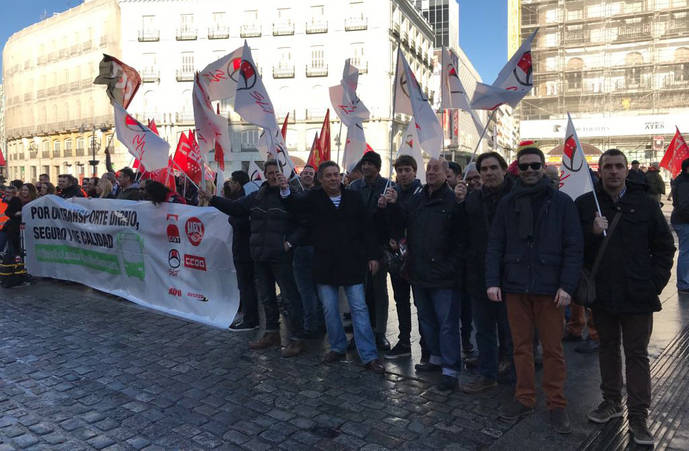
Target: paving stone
(207,440)
(138,442)
(25,440)
(41,428)
(101,441)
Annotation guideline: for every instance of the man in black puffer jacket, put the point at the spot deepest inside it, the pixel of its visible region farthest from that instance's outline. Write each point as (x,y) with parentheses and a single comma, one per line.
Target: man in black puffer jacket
(633,271)
(270,229)
(434,251)
(680,222)
(534,256)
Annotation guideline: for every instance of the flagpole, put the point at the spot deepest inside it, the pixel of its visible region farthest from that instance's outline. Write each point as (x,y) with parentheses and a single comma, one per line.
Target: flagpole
(185,175)
(339,140)
(392,116)
(483,133)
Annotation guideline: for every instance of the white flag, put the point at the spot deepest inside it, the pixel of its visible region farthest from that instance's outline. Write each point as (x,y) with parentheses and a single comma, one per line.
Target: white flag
(514,81)
(255,173)
(271,146)
(347,105)
(411,100)
(220,78)
(212,130)
(219,182)
(410,146)
(251,101)
(147,147)
(452,92)
(355,145)
(575,176)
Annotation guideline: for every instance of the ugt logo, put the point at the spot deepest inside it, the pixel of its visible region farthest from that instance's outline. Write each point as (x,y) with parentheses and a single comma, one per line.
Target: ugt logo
(243,73)
(570,151)
(524,71)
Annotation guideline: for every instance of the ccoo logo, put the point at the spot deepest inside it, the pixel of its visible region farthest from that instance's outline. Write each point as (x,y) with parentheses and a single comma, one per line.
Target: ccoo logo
(194,230)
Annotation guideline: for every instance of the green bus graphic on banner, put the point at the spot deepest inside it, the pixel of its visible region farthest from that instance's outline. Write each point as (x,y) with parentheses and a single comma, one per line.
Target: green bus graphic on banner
(68,255)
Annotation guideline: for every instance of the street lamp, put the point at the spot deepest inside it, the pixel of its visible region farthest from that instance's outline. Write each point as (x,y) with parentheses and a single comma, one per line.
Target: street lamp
(95,143)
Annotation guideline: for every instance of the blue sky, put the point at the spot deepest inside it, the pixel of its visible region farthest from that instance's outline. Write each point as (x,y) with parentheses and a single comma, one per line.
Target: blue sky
(485,48)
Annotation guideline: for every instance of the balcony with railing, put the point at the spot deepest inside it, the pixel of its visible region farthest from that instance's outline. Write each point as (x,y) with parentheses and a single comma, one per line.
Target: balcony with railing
(80,151)
(45,154)
(184,74)
(86,45)
(576,37)
(250,31)
(318,25)
(675,80)
(314,113)
(283,28)
(676,26)
(317,71)
(184,117)
(150,75)
(68,151)
(218,32)
(186,33)
(283,71)
(356,23)
(633,32)
(149,35)
(56,153)
(361,65)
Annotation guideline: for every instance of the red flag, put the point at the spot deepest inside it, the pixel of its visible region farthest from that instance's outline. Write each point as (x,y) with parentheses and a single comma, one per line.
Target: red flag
(180,157)
(193,169)
(324,139)
(123,81)
(284,127)
(153,127)
(315,154)
(2,159)
(676,152)
(166,176)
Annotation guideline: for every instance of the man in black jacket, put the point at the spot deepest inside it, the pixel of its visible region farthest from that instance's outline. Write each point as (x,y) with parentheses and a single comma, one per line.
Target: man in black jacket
(434,249)
(633,271)
(407,186)
(680,222)
(490,317)
(534,257)
(371,186)
(344,251)
(68,186)
(270,226)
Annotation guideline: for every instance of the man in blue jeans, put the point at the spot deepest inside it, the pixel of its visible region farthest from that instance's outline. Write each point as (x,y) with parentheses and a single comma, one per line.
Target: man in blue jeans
(345,249)
(435,245)
(680,222)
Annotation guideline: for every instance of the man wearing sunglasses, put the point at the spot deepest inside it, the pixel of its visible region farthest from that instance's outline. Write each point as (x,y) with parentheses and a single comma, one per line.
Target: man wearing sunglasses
(533,261)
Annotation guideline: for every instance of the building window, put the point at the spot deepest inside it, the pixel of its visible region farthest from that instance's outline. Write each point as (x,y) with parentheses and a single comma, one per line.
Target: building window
(80,147)
(285,65)
(150,71)
(45,149)
(219,28)
(317,67)
(68,147)
(33,171)
(632,74)
(56,149)
(249,139)
(186,67)
(317,23)
(573,75)
(356,19)
(283,24)
(251,27)
(359,58)
(186,30)
(149,29)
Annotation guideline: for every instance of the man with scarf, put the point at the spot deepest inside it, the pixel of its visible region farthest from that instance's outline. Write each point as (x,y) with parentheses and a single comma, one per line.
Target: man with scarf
(490,317)
(533,261)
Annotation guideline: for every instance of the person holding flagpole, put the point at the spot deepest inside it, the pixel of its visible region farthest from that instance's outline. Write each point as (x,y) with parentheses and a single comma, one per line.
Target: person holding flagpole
(680,222)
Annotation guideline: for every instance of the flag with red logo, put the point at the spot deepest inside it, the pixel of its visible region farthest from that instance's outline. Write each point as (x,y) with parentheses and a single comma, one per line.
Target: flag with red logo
(284,127)
(410,146)
(347,105)
(514,81)
(409,99)
(123,81)
(166,176)
(251,100)
(212,129)
(324,138)
(315,154)
(575,176)
(150,149)
(676,152)
(355,145)
(188,156)
(220,78)
(272,146)
(452,92)
(137,164)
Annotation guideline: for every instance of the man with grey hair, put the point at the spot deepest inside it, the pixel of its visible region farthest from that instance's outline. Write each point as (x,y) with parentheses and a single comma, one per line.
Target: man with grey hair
(432,222)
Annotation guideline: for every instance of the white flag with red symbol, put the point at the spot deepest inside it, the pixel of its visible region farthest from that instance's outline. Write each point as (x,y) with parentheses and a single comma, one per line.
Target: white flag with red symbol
(412,101)
(220,78)
(347,105)
(452,92)
(251,100)
(410,146)
(212,130)
(355,145)
(514,81)
(272,146)
(575,176)
(144,145)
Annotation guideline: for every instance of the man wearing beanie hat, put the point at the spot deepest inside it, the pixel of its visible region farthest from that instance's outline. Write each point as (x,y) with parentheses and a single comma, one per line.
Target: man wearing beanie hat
(371,186)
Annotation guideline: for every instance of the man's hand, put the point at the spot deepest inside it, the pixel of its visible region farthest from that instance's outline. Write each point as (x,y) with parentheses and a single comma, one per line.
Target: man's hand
(204,196)
(282,181)
(600,223)
(562,298)
(391,195)
(494,294)
(373,266)
(460,191)
(382,201)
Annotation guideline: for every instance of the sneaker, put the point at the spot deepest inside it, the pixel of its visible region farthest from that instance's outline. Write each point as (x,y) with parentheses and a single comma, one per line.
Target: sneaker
(559,420)
(243,326)
(606,411)
(640,433)
(514,410)
(479,385)
(376,366)
(400,350)
(448,383)
(333,357)
(293,348)
(268,340)
(427,368)
(382,343)
(571,337)
(587,347)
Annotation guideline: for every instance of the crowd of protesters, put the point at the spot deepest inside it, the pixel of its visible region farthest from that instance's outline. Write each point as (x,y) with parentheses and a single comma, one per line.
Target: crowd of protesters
(494,250)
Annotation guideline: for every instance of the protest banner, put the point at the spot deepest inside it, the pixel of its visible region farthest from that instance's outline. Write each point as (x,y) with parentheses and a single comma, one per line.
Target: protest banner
(173,258)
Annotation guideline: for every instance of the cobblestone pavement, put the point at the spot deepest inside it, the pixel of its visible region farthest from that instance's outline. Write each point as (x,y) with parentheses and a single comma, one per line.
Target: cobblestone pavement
(82,370)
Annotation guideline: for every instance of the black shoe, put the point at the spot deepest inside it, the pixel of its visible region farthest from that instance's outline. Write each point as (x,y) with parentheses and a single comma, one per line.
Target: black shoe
(514,410)
(400,350)
(427,368)
(333,356)
(382,343)
(243,326)
(587,347)
(640,433)
(479,385)
(606,411)
(559,420)
(448,383)
(376,366)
